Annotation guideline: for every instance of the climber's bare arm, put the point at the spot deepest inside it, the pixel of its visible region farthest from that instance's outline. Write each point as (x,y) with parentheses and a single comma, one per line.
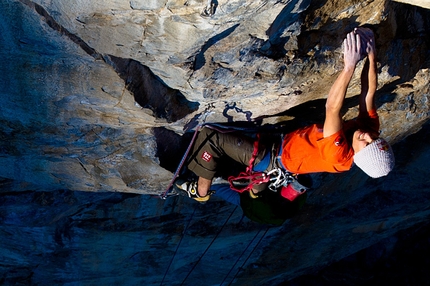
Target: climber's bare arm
(336,96)
(369,75)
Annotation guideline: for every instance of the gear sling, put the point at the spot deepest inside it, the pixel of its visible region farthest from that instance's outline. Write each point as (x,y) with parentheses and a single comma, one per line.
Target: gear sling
(278,179)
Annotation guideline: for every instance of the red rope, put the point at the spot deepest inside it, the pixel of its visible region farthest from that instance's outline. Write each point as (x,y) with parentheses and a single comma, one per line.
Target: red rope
(252,178)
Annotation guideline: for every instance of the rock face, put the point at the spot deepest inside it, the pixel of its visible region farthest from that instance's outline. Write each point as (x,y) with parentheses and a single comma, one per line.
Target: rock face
(101,97)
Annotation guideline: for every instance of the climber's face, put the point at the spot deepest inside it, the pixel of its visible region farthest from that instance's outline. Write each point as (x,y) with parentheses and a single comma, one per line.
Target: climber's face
(361,139)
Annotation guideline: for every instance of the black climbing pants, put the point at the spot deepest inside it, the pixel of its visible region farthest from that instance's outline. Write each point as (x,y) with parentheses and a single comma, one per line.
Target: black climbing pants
(210,146)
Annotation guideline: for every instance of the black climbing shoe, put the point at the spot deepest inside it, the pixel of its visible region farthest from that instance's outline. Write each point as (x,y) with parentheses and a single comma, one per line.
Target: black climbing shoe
(189,188)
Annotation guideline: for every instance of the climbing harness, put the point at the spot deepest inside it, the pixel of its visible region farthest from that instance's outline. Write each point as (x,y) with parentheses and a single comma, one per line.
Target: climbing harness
(245,181)
(278,179)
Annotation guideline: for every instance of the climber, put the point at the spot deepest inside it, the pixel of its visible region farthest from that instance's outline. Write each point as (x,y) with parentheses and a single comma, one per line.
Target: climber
(329,147)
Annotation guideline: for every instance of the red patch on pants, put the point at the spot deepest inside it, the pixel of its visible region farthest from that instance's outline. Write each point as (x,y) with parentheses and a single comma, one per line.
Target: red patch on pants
(206,156)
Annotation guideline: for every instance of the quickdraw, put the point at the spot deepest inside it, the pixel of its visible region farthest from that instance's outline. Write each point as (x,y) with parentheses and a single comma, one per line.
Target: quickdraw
(286,183)
(279,178)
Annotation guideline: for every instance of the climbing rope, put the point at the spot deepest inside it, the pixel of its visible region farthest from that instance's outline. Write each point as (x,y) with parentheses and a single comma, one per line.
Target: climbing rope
(240,256)
(207,248)
(246,260)
(181,164)
(177,246)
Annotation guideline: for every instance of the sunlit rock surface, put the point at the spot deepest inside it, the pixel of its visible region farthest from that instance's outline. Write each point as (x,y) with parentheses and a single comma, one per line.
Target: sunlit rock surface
(98,99)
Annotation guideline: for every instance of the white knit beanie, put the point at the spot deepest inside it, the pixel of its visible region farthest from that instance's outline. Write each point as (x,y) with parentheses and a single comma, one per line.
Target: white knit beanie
(376,159)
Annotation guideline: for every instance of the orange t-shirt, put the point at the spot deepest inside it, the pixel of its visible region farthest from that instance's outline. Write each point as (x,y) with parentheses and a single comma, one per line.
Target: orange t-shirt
(307,151)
